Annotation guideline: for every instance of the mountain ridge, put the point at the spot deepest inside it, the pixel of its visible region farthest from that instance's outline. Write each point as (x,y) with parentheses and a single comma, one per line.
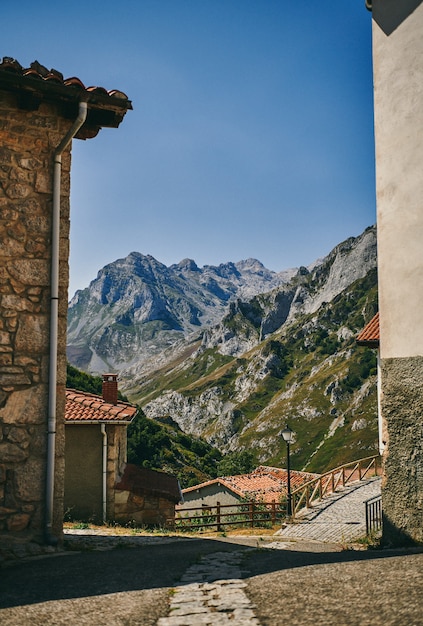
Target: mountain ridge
(135,299)
(228,368)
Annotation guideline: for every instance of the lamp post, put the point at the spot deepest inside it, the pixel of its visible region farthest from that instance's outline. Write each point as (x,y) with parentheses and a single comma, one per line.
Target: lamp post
(288,436)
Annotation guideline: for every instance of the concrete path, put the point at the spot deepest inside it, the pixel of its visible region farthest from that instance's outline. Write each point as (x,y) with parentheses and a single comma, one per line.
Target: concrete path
(338,518)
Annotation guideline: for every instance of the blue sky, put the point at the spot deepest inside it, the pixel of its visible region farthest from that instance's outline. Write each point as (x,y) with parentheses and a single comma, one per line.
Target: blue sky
(251,134)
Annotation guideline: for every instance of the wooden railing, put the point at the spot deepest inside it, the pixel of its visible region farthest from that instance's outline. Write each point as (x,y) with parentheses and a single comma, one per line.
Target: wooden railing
(221,515)
(329,482)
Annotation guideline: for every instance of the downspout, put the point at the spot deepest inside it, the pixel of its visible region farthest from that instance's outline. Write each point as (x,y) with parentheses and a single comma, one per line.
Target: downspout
(104,489)
(54,314)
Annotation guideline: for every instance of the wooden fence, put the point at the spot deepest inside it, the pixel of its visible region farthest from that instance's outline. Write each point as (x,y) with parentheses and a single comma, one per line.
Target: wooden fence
(250,514)
(256,514)
(329,482)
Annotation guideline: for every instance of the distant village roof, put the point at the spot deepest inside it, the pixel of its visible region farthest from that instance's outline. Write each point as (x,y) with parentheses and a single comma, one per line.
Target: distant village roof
(36,84)
(369,336)
(264,483)
(88,408)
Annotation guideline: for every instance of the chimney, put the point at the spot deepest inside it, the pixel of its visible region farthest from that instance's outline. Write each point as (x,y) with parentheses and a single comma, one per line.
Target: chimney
(110,388)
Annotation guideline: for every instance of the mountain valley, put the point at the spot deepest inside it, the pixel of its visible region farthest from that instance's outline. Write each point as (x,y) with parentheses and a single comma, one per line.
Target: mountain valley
(231,354)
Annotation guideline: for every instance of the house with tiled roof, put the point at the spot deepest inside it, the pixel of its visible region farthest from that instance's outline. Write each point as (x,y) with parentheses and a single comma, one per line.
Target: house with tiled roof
(41,113)
(95,450)
(264,484)
(99,484)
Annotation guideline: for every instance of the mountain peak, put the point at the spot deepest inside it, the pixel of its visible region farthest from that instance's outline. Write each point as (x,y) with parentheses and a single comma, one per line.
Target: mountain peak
(187,265)
(137,308)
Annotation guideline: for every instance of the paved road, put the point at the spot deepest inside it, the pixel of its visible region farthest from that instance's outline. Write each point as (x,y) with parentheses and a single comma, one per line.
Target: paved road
(229,581)
(234,581)
(339,517)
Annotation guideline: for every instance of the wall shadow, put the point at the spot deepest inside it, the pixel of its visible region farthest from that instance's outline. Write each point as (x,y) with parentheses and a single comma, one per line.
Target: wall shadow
(96,573)
(389,14)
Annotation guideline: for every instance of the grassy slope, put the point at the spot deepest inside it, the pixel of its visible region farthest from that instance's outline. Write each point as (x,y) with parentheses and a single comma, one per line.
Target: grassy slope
(322,384)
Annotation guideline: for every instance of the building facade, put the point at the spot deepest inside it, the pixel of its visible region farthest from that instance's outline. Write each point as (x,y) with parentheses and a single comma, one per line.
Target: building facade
(40,113)
(95,451)
(398,101)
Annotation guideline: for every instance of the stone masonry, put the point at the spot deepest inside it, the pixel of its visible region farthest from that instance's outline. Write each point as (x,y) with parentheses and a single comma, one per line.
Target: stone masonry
(37,109)
(28,140)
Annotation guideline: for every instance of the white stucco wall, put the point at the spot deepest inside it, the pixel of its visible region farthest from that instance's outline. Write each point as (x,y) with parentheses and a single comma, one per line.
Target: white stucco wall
(398,93)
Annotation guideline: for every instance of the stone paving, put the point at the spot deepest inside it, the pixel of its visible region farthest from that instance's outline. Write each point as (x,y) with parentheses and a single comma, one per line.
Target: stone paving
(102,539)
(339,517)
(211,593)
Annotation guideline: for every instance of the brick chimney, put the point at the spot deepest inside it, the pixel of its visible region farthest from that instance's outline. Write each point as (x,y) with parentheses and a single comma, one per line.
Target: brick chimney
(110,388)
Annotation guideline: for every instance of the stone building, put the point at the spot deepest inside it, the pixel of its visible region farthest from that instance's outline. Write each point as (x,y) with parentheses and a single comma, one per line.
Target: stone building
(398,101)
(40,113)
(146,497)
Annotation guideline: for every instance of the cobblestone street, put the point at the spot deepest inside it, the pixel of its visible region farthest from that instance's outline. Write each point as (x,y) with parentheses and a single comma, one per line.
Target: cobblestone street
(128,580)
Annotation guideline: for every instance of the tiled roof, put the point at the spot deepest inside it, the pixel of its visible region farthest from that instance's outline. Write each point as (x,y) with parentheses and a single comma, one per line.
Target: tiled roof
(37,83)
(370,335)
(264,483)
(87,408)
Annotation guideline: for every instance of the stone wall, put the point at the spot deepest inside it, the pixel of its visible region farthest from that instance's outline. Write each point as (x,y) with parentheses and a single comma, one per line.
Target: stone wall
(144,496)
(116,461)
(402,486)
(27,143)
(140,510)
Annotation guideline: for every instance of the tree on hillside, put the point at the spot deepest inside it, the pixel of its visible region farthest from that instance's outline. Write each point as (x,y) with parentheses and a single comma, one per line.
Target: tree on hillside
(237,463)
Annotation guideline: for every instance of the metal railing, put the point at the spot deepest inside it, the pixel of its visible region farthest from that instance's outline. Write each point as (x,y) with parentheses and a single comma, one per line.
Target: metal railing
(373,515)
(329,482)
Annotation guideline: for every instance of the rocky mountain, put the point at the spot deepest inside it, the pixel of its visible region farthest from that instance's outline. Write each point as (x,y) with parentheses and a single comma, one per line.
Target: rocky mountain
(230,354)
(305,293)
(287,355)
(137,307)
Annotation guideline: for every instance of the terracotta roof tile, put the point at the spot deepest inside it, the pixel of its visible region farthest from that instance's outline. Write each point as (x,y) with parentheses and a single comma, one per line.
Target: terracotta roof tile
(37,83)
(86,407)
(264,483)
(370,334)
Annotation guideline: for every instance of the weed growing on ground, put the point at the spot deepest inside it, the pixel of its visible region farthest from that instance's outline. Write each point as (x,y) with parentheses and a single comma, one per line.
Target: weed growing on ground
(80,526)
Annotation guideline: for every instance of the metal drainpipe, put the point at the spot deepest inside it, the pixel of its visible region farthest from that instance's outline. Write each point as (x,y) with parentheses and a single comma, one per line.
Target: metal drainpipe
(103,432)
(54,313)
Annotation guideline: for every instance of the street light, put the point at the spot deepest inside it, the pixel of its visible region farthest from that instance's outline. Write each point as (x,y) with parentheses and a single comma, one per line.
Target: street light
(288,436)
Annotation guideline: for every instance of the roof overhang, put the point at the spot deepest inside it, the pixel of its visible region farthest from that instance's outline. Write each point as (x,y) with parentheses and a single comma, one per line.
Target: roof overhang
(32,88)
(370,334)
